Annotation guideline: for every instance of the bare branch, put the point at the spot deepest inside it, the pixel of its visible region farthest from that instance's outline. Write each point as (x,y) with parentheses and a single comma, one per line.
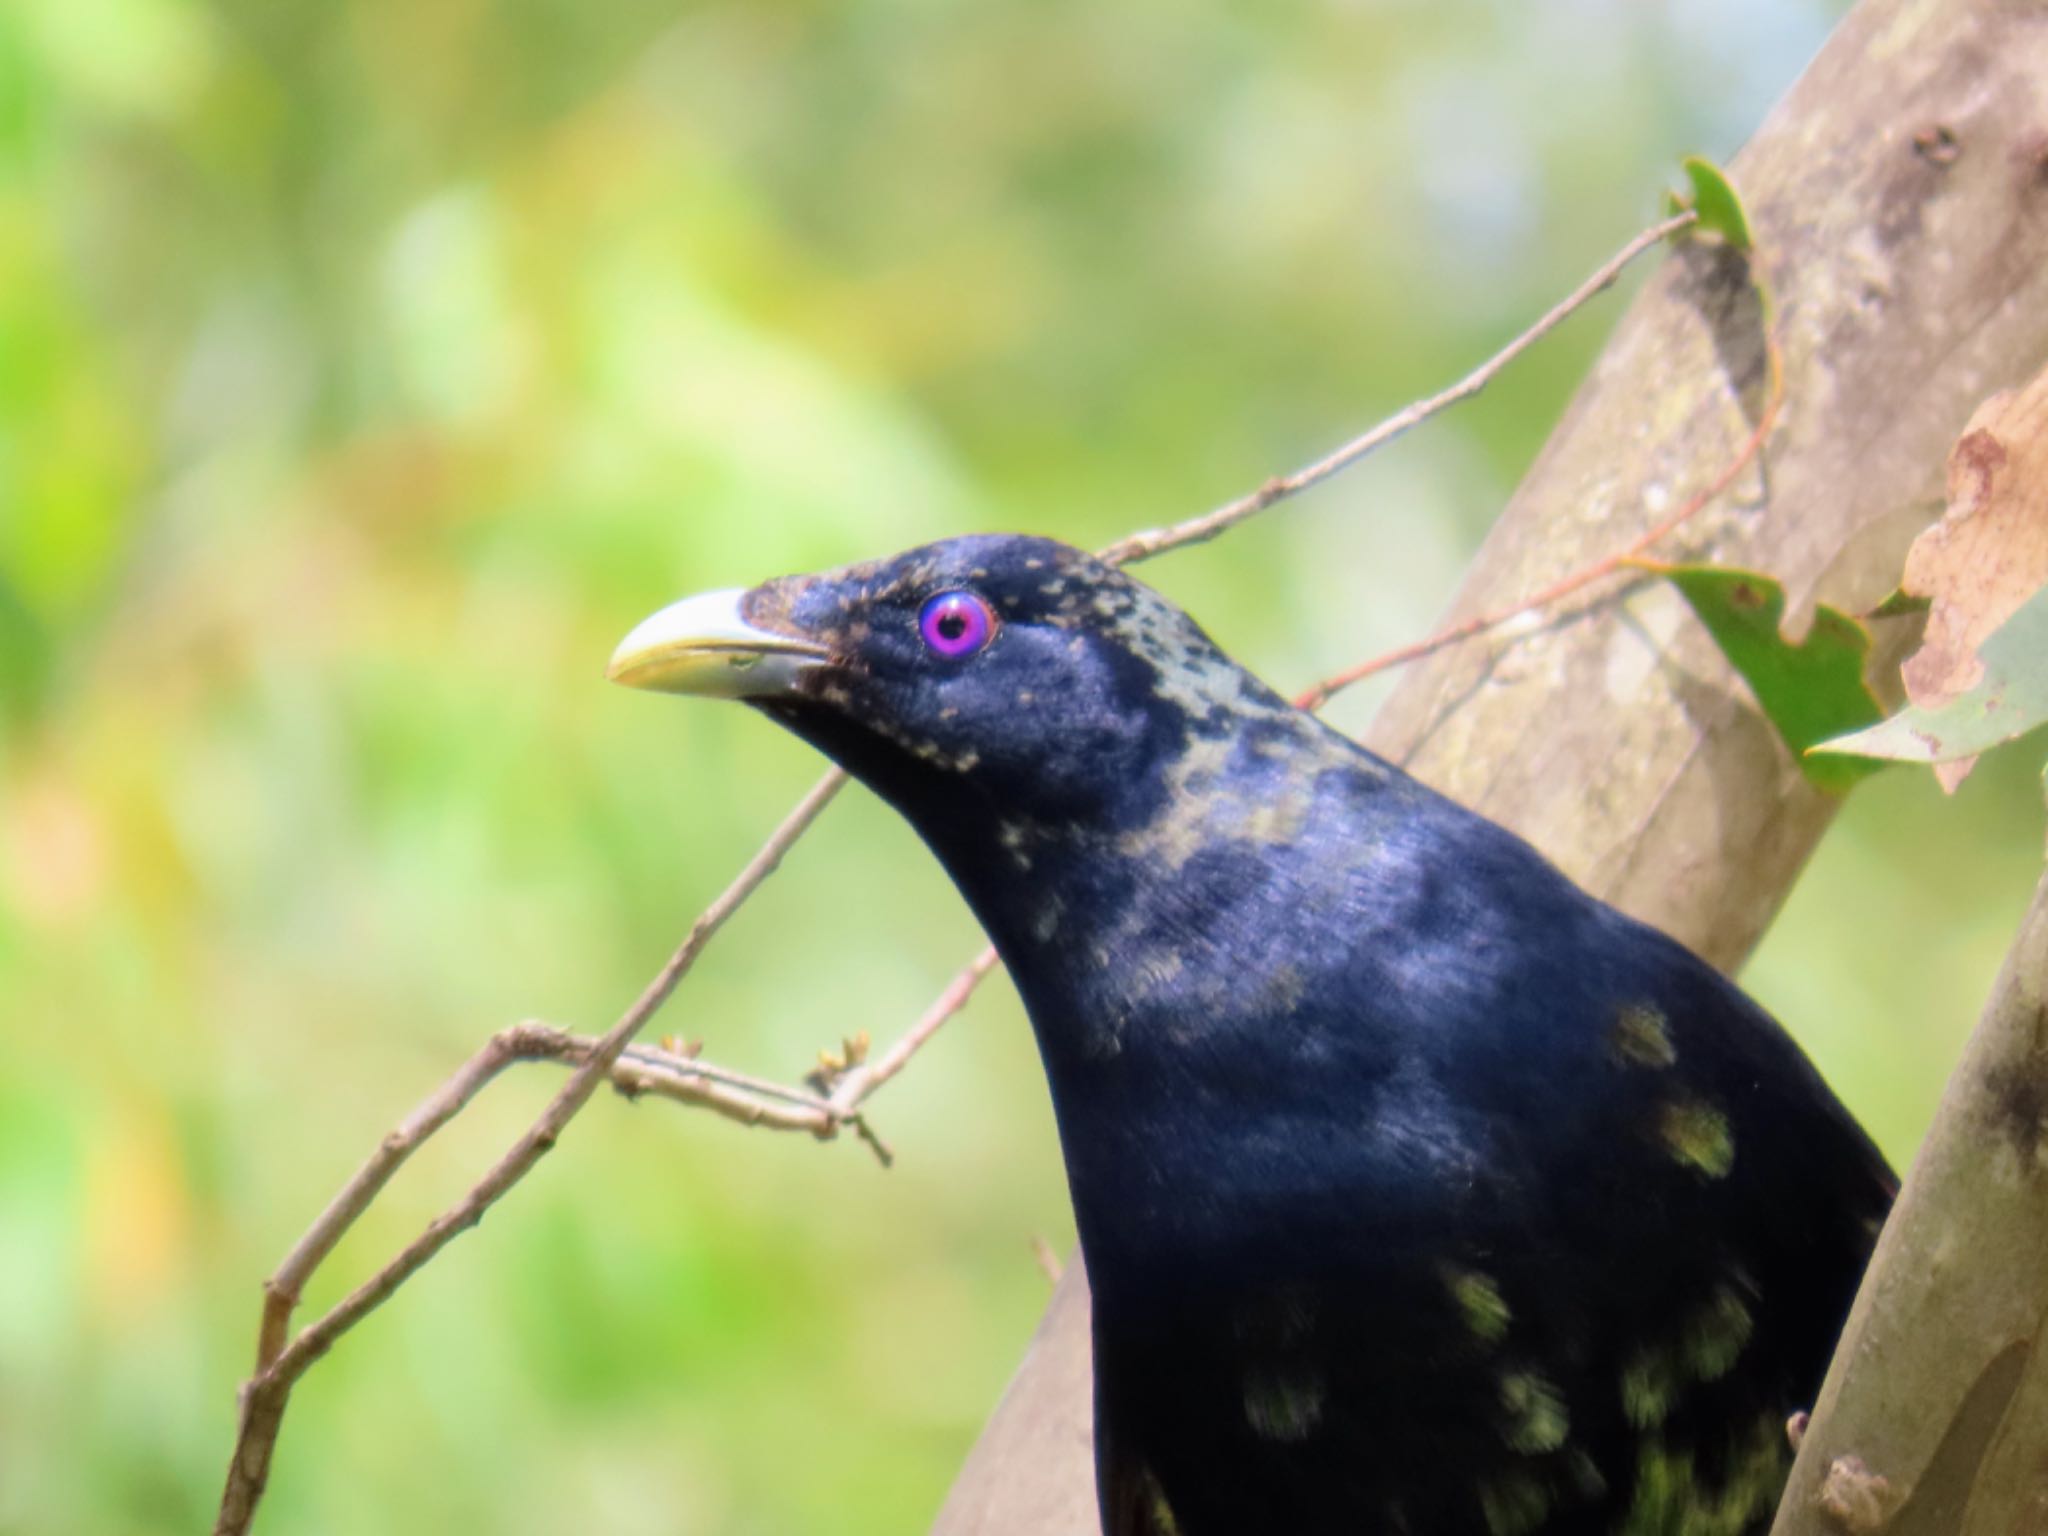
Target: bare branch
(540,1137)
(277,1368)
(1196,530)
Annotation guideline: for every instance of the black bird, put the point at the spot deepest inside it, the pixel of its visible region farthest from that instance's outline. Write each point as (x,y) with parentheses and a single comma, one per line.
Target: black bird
(1421,1193)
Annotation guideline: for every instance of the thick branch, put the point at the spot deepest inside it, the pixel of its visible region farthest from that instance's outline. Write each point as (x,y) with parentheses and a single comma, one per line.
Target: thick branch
(1934,1417)
(1910,285)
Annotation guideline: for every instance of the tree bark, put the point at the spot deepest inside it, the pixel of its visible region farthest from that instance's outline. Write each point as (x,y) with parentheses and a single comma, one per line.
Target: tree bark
(1900,198)
(1934,1417)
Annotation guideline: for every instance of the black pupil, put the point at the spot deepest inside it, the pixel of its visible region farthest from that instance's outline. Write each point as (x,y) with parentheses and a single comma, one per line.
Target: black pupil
(952,624)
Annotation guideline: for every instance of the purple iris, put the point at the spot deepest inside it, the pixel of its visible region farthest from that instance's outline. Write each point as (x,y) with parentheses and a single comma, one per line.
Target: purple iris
(956,624)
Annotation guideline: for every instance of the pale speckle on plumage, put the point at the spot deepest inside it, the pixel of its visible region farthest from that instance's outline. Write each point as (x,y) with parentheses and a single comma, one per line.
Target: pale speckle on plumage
(926,750)
(1276,1319)
(1284,1394)
(1278,820)
(1671,1500)
(1716,1334)
(1535,1419)
(1187,671)
(1104,1040)
(1708,1344)
(1698,1135)
(1151,970)
(1180,828)
(1649,1385)
(1641,1037)
(1012,835)
(1514,1504)
(1046,921)
(1280,990)
(1283,1403)
(1203,807)
(1479,1302)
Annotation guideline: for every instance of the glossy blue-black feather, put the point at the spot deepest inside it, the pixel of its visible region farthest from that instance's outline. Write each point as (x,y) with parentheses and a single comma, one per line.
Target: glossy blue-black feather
(1420,1191)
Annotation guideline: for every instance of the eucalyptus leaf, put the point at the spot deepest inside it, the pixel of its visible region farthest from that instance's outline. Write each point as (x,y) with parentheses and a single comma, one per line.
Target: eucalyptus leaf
(1810,690)
(2008,701)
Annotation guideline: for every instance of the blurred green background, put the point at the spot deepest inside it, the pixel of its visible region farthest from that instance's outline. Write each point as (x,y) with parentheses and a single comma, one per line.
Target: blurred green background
(368,366)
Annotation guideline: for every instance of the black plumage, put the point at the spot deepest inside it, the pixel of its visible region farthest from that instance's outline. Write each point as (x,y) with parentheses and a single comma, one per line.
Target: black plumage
(1420,1192)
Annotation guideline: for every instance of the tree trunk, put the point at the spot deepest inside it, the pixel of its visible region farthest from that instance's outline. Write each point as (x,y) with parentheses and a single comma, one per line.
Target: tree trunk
(1900,196)
(1934,1417)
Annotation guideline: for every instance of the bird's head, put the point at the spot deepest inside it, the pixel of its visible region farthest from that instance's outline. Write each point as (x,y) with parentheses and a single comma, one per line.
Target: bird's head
(996,677)
(1100,780)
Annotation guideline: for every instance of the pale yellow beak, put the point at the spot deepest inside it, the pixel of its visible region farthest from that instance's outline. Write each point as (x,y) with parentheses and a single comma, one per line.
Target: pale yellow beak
(704,645)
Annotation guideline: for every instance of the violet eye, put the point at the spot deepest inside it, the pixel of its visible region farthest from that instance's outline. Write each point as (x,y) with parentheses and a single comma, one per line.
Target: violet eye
(956,624)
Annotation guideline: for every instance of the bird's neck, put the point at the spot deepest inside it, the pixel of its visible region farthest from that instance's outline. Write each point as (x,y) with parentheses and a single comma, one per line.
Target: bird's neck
(1190,935)
(1151,902)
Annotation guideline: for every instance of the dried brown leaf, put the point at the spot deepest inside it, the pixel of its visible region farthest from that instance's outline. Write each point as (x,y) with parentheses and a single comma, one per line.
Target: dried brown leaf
(1989,552)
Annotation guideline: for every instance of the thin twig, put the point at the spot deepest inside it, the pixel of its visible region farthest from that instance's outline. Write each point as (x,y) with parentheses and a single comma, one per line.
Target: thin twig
(1196,530)
(1610,564)
(858,1084)
(688,1067)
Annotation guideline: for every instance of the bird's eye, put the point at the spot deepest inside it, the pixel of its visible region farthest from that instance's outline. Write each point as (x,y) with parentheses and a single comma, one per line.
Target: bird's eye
(956,624)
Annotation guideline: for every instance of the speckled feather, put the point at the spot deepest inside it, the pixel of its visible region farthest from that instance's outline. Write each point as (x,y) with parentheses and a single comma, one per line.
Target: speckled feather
(1420,1191)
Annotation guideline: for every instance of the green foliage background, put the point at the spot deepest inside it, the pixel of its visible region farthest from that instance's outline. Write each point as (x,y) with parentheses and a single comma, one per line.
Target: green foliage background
(367,366)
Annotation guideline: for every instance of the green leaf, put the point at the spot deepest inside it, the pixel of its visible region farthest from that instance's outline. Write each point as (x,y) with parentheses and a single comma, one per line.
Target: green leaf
(1810,691)
(2010,700)
(1715,200)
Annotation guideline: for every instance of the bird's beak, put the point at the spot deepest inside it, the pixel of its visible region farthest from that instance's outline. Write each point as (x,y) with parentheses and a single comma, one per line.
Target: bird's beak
(705,645)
